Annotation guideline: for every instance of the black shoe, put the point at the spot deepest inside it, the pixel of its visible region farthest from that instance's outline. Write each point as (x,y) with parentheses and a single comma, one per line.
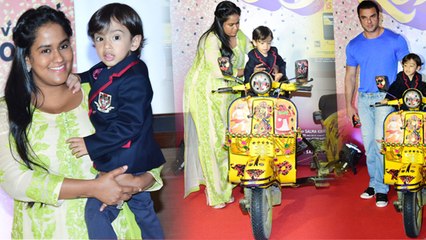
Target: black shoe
(368,193)
(381,200)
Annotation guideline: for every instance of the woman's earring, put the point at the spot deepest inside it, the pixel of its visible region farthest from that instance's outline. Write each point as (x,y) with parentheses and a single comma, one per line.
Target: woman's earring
(28,68)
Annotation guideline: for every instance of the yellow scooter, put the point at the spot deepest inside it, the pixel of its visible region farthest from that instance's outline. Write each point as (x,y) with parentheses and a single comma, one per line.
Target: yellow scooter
(404,148)
(262,140)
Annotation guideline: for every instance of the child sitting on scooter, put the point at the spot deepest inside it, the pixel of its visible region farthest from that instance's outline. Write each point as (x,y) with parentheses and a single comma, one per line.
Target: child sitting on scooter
(408,78)
(264,56)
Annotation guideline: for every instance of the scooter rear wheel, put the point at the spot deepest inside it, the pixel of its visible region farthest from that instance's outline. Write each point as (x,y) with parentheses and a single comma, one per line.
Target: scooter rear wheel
(412,213)
(261,213)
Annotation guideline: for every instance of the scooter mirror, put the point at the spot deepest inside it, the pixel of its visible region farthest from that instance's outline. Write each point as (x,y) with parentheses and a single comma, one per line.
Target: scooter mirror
(382,83)
(301,69)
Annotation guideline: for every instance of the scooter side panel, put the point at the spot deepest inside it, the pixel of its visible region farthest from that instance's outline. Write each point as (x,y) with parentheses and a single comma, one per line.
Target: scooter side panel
(392,146)
(403,149)
(240,116)
(286,126)
(239,127)
(285,116)
(394,131)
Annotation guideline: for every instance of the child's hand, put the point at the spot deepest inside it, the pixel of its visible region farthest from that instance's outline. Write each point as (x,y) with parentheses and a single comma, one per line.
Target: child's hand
(73,82)
(384,101)
(77,146)
(278,76)
(259,67)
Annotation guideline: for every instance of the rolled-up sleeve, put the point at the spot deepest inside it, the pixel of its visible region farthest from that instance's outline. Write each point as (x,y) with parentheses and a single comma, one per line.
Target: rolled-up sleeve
(158,184)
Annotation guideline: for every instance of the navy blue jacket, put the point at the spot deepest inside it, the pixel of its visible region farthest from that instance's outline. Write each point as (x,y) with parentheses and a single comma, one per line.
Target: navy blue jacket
(120,110)
(273,58)
(402,83)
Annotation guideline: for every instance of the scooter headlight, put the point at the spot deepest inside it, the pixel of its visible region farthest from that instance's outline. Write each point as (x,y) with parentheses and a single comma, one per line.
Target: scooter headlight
(412,98)
(260,82)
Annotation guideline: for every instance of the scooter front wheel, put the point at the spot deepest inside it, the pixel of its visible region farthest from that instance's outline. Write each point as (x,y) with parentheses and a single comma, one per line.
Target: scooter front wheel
(261,213)
(412,213)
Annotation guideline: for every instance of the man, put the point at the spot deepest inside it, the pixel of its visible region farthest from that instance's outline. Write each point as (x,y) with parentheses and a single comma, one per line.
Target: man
(376,52)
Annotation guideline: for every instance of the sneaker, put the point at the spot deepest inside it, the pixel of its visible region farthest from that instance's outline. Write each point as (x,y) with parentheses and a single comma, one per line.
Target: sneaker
(368,193)
(381,200)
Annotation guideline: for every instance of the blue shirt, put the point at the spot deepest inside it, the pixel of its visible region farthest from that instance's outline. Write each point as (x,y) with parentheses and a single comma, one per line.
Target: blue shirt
(376,57)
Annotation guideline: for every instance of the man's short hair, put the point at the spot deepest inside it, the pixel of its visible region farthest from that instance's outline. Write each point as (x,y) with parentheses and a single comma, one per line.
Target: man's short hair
(367,5)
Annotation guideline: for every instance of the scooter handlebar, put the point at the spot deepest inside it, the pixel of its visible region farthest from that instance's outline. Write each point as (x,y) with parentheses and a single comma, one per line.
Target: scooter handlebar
(230,89)
(305,88)
(222,90)
(395,102)
(378,104)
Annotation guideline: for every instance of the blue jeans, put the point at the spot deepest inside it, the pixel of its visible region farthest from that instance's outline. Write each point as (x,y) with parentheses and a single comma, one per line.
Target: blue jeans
(99,223)
(372,119)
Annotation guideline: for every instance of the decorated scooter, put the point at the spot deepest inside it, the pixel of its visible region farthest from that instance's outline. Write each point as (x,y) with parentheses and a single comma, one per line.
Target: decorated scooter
(404,149)
(262,140)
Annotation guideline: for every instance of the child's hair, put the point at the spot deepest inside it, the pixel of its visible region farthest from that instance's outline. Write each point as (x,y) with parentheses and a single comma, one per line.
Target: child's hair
(414,57)
(261,33)
(121,13)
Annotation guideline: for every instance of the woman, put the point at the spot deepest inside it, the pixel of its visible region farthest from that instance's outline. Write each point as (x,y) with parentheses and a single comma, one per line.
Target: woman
(50,185)
(206,162)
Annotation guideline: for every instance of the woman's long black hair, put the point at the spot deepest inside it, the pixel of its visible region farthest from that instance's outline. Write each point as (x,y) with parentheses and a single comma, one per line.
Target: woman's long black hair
(20,88)
(221,14)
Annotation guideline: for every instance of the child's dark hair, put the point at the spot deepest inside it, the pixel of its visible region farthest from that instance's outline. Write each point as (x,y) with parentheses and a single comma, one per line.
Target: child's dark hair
(414,57)
(367,4)
(121,13)
(261,33)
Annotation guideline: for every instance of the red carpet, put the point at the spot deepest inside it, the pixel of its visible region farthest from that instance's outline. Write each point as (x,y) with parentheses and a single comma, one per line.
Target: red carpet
(306,212)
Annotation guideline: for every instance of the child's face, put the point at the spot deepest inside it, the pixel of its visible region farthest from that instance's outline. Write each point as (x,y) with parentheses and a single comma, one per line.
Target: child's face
(115,43)
(410,67)
(263,46)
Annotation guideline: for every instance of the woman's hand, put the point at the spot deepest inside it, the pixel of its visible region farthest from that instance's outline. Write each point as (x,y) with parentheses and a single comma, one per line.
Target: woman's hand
(108,190)
(240,72)
(138,183)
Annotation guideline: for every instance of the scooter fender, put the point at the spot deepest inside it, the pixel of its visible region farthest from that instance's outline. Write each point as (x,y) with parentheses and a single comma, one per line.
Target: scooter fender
(410,177)
(259,172)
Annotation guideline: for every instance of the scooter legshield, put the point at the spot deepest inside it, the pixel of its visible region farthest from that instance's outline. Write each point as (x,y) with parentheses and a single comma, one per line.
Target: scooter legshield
(262,131)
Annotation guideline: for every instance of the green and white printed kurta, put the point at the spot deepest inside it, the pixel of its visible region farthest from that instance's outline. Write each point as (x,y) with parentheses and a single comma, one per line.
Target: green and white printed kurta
(206,162)
(51,218)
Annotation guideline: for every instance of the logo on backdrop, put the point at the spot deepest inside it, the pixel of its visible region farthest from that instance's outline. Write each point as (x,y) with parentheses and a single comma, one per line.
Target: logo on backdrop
(6,48)
(302,7)
(410,13)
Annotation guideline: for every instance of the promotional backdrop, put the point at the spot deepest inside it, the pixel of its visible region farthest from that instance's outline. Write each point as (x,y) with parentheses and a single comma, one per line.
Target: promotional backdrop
(301,29)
